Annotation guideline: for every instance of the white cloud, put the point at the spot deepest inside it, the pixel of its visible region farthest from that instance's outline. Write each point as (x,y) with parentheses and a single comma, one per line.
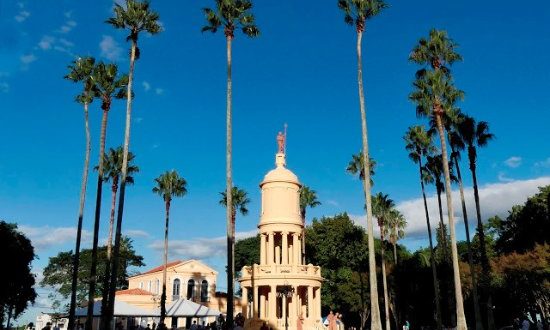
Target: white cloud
(4,87)
(146,85)
(544,163)
(495,199)
(136,233)
(22,16)
(28,59)
(46,42)
(67,27)
(513,161)
(159,91)
(503,178)
(110,48)
(199,248)
(45,237)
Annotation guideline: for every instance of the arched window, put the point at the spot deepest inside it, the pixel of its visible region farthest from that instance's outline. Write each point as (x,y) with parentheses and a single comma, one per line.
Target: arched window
(191,289)
(204,291)
(176,289)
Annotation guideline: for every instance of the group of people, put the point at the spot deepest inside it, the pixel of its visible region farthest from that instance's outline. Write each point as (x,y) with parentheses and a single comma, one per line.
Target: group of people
(334,321)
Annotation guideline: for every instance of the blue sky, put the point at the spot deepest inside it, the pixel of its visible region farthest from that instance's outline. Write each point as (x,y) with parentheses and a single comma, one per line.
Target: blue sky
(300,71)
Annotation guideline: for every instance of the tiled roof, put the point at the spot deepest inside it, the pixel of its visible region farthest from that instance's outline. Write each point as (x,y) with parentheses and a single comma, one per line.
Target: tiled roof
(161,267)
(136,291)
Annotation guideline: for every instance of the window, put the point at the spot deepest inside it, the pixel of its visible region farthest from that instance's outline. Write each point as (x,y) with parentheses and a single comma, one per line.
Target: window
(149,286)
(204,291)
(157,287)
(191,289)
(176,289)
(141,285)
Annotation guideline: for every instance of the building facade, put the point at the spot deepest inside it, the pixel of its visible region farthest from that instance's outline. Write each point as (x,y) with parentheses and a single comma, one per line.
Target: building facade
(281,291)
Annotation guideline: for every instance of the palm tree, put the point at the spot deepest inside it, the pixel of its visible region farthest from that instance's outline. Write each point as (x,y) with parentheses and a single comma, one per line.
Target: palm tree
(136,17)
(419,145)
(457,145)
(355,167)
(357,12)
(112,163)
(240,200)
(168,185)
(80,71)
(231,15)
(308,198)
(396,224)
(434,93)
(381,209)
(434,168)
(108,84)
(477,135)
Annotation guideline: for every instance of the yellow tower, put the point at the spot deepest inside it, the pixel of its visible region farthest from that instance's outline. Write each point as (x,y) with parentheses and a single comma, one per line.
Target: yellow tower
(281,291)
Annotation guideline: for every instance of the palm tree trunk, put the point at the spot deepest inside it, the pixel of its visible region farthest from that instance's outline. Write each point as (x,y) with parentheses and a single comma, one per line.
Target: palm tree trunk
(93,270)
(432,257)
(83,185)
(384,282)
(461,318)
(163,296)
(106,277)
(229,188)
(123,175)
(376,323)
(486,268)
(443,232)
(477,312)
(395,245)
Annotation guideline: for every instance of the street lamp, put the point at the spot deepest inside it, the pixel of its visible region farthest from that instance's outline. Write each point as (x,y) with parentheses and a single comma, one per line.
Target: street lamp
(286,291)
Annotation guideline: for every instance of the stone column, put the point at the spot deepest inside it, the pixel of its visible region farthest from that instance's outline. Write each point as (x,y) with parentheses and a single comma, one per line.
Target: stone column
(255,302)
(272,299)
(310,303)
(244,301)
(262,249)
(262,306)
(270,249)
(285,248)
(317,302)
(296,248)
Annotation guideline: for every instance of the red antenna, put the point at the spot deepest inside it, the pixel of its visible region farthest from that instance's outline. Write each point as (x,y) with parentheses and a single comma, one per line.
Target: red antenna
(285,138)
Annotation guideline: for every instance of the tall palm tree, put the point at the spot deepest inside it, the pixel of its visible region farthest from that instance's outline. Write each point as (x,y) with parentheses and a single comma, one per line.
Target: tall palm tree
(240,201)
(355,167)
(477,135)
(108,85)
(419,145)
(112,163)
(457,145)
(357,12)
(231,15)
(434,168)
(381,209)
(80,71)
(396,224)
(434,93)
(308,198)
(168,185)
(135,17)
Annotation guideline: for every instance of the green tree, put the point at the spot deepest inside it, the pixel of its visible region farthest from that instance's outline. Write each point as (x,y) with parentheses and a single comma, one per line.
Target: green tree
(434,95)
(17,290)
(396,224)
(231,15)
(58,272)
(419,145)
(247,251)
(382,206)
(308,198)
(357,12)
(477,135)
(135,17)
(108,84)
(168,185)
(457,144)
(80,71)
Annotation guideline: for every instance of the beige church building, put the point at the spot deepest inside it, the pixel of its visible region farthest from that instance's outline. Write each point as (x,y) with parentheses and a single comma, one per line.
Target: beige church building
(281,291)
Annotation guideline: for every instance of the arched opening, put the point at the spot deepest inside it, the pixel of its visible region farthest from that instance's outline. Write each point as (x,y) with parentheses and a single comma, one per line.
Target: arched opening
(204,291)
(191,289)
(176,289)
